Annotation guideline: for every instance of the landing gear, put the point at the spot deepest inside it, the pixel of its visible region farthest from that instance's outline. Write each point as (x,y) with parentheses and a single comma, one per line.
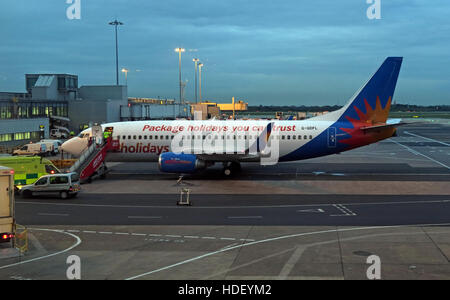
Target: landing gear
(230,168)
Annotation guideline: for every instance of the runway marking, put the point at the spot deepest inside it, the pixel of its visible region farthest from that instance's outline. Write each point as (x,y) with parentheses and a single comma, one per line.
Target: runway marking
(139,234)
(314,210)
(245,217)
(418,153)
(105,232)
(275,239)
(122,233)
(416,135)
(78,242)
(346,212)
(190,236)
(144,217)
(53,215)
(254,206)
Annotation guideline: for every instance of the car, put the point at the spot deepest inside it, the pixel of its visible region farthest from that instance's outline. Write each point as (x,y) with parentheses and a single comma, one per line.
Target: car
(31,149)
(64,185)
(59,134)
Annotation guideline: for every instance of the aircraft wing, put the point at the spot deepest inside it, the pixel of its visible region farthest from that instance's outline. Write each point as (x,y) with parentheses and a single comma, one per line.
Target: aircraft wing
(253,153)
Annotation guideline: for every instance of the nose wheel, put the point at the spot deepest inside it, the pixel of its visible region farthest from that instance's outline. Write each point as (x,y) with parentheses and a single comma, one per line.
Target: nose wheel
(231,168)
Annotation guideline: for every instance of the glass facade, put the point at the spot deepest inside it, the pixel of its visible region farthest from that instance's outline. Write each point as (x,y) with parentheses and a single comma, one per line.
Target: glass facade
(20,136)
(32,109)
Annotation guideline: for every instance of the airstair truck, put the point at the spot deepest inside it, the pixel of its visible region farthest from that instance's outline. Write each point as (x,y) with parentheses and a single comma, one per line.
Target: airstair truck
(6,204)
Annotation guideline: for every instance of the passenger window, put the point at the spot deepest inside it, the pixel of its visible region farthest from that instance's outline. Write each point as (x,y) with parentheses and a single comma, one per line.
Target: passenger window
(156,137)
(59,180)
(42,181)
(310,137)
(140,137)
(129,137)
(299,137)
(167,137)
(124,137)
(145,137)
(161,137)
(305,137)
(134,137)
(288,137)
(293,137)
(282,137)
(150,137)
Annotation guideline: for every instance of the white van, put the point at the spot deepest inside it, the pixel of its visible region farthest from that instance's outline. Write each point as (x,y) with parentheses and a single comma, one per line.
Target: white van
(59,134)
(52,145)
(31,149)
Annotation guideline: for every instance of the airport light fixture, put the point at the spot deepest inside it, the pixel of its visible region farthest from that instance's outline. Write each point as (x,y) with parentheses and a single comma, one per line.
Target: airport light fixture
(200,66)
(116,23)
(126,75)
(180,50)
(196,60)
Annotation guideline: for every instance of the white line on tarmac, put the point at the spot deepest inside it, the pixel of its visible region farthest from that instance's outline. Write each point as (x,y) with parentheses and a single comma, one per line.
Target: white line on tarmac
(255,206)
(275,239)
(436,141)
(144,217)
(53,215)
(78,242)
(245,217)
(418,153)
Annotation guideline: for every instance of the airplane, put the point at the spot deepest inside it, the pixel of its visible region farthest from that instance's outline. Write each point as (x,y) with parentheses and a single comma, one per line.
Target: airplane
(186,146)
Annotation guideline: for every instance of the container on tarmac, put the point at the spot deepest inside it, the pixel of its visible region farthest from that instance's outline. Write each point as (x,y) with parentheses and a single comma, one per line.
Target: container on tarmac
(6,204)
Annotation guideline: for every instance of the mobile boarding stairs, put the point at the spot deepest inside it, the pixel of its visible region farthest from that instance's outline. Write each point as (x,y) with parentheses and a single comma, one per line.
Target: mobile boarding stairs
(92,161)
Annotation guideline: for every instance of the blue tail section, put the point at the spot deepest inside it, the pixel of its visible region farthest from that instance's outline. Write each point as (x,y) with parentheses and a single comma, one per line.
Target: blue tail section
(368,107)
(376,93)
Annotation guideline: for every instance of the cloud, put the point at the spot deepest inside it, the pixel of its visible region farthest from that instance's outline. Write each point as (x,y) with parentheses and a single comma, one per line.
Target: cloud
(252,49)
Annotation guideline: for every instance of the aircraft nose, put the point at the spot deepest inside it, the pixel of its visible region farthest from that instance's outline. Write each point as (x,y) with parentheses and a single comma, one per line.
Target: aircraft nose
(73,146)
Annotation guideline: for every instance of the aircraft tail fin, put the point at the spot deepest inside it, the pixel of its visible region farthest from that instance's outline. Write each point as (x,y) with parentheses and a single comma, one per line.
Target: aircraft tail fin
(372,102)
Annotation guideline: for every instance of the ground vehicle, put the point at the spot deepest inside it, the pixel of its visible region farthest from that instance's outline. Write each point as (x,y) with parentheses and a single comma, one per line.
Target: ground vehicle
(52,145)
(27,169)
(59,134)
(6,204)
(64,185)
(31,149)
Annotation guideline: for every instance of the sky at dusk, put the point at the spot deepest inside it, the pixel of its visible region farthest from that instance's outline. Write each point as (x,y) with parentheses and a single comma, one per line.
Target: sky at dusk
(287,52)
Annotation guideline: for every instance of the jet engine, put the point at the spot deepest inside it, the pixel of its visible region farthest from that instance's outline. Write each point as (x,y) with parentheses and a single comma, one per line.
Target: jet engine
(170,162)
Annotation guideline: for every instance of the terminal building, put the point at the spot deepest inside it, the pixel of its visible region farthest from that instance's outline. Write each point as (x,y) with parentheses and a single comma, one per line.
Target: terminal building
(55,101)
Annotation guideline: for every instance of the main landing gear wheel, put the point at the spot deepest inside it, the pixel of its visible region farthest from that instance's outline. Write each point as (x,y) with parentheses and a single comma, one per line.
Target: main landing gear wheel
(230,168)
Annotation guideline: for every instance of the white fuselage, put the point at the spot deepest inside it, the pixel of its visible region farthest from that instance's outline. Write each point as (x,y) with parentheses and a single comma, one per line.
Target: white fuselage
(146,140)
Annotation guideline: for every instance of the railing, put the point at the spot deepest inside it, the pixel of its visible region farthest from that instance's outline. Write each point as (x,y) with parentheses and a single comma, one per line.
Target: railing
(85,155)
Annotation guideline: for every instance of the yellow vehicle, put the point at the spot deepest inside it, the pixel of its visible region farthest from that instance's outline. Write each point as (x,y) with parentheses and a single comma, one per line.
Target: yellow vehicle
(28,169)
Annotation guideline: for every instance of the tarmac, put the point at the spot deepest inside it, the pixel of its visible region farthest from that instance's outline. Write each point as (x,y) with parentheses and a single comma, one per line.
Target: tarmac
(314,219)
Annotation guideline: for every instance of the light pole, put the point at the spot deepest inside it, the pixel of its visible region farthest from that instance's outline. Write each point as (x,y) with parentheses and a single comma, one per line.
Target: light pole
(195,60)
(126,75)
(180,50)
(116,23)
(200,66)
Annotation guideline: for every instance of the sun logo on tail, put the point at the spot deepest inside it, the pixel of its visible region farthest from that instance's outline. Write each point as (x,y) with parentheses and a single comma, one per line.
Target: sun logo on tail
(372,117)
